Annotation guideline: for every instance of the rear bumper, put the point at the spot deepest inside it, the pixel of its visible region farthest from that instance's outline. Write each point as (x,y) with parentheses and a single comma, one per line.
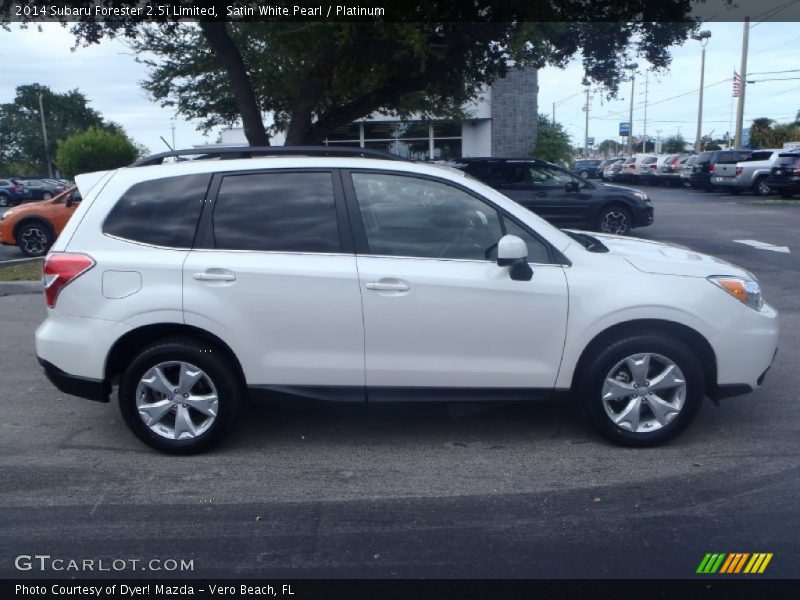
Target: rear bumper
(83,387)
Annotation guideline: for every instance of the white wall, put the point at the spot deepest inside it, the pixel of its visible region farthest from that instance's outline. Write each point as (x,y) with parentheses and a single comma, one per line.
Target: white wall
(476,138)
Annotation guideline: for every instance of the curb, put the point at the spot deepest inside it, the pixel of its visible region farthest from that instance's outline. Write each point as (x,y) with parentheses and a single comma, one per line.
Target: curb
(14,288)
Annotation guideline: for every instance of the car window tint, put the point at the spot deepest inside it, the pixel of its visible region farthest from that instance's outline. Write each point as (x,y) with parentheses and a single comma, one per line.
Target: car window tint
(162,212)
(509,174)
(411,216)
(277,212)
(544,176)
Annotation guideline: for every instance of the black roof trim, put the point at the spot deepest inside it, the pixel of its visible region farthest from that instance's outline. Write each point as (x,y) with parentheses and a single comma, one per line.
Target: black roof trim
(233,152)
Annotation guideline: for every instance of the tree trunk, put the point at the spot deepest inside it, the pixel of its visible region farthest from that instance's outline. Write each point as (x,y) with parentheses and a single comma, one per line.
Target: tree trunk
(228,54)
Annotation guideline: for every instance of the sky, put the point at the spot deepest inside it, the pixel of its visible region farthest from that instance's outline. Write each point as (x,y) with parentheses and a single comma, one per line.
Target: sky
(109,76)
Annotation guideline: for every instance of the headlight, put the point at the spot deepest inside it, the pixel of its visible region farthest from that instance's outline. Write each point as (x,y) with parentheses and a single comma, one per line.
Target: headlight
(747,291)
(642,197)
(3,216)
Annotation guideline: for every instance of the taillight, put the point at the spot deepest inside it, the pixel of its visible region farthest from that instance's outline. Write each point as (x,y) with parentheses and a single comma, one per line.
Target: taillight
(653,166)
(711,167)
(60,269)
(739,171)
(797,169)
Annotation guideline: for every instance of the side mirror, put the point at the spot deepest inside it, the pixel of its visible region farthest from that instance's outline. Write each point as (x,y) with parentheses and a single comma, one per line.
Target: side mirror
(572,186)
(513,252)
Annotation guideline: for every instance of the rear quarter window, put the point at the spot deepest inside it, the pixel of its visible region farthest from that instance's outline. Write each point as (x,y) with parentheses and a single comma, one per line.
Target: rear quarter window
(160,212)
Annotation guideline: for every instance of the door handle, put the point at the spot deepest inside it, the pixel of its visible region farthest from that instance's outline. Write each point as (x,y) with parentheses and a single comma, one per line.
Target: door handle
(214,277)
(384,286)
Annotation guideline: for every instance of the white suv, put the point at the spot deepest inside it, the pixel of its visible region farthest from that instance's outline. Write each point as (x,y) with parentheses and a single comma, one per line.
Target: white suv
(333,274)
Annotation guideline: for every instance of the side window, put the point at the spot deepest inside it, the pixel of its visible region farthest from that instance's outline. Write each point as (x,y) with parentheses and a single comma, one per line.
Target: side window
(409,216)
(537,251)
(544,176)
(162,212)
(278,212)
(510,174)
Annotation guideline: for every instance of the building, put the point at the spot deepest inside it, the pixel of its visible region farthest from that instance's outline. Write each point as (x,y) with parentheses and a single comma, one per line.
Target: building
(502,122)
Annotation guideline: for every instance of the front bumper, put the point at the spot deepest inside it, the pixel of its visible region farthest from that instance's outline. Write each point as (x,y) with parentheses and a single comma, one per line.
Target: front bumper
(83,387)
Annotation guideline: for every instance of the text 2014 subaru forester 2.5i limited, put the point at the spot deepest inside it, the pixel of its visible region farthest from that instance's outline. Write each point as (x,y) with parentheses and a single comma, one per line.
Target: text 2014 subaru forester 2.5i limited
(343,274)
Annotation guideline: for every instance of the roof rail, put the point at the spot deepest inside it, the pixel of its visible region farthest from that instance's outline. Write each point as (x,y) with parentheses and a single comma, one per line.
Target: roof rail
(233,152)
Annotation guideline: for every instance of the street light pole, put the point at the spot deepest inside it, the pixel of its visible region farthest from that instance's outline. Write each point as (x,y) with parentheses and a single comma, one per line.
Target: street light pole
(702,37)
(586,130)
(38,89)
(737,142)
(644,129)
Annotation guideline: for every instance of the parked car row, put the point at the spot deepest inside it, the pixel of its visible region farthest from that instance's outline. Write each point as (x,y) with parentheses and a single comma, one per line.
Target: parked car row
(34,226)
(761,172)
(15,190)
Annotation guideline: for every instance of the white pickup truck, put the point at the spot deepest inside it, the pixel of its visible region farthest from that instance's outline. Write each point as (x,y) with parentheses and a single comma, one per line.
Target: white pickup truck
(748,174)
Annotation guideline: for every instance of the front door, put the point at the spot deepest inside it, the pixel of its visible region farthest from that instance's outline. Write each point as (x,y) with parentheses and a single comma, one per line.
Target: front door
(438,311)
(559,196)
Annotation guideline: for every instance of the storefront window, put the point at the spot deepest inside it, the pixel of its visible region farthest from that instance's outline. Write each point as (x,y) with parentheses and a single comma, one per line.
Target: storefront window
(409,139)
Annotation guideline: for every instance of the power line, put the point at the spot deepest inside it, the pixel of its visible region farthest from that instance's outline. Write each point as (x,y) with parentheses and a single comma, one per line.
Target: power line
(775,72)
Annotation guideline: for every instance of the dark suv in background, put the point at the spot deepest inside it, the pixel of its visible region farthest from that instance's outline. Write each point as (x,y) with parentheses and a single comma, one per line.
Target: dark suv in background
(784,176)
(560,197)
(587,168)
(703,169)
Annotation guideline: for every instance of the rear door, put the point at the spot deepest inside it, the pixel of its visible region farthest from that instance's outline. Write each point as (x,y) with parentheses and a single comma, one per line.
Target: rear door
(274,275)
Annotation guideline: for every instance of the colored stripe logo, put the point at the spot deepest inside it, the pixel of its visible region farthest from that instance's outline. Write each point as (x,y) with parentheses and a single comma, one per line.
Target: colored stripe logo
(734,563)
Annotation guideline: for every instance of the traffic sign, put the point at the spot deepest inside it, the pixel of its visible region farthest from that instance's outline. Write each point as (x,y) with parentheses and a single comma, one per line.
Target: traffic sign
(590,141)
(624,128)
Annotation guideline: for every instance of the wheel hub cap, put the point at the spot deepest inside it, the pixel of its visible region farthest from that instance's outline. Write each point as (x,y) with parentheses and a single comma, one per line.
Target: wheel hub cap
(644,392)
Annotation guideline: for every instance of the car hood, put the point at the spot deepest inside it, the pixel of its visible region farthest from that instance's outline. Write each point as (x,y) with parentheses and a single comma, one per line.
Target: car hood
(617,189)
(667,259)
(26,208)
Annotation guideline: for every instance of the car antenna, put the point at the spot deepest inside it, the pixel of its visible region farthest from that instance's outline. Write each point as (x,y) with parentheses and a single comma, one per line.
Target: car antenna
(168,146)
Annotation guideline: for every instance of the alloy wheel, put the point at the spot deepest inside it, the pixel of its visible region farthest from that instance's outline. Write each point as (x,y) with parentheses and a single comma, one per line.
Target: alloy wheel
(762,189)
(614,221)
(644,392)
(177,400)
(3,200)
(34,241)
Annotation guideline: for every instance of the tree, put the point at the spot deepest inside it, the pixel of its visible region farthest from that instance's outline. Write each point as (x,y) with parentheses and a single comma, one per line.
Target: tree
(95,150)
(674,144)
(610,147)
(22,149)
(552,142)
(316,76)
(761,133)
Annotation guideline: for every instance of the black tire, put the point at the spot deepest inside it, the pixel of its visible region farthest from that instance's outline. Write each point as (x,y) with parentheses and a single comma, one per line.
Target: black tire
(47,196)
(35,239)
(584,174)
(589,387)
(614,219)
(760,188)
(220,371)
(785,194)
(5,200)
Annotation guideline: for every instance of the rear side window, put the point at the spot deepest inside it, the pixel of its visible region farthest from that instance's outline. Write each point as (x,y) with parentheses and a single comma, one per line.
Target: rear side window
(277,212)
(161,212)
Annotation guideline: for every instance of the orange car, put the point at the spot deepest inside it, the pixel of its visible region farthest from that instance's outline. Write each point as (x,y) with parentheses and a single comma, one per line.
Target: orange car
(35,226)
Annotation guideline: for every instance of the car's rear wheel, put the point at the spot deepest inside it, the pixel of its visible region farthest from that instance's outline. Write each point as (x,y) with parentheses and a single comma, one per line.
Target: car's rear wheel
(615,220)
(584,174)
(4,200)
(642,390)
(47,196)
(180,396)
(35,239)
(761,188)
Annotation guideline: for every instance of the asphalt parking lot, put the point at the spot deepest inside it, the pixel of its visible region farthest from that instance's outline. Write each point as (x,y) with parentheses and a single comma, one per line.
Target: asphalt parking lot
(421,491)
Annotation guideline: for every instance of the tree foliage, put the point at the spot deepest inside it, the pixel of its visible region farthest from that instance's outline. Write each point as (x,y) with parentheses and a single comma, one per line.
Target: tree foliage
(95,149)
(316,76)
(610,147)
(674,144)
(22,150)
(553,143)
(767,133)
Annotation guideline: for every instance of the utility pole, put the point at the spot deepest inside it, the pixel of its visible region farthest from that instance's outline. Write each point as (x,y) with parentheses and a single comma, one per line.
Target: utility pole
(554,113)
(586,130)
(38,89)
(737,142)
(632,67)
(701,37)
(172,123)
(644,130)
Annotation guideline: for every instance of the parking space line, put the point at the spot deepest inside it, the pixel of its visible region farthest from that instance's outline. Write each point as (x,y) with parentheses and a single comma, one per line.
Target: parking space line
(764,246)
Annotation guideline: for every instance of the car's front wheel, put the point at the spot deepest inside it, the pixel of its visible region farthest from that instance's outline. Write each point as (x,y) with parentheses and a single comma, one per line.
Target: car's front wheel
(615,220)
(642,390)
(180,396)
(584,174)
(35,239)
(4,200)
